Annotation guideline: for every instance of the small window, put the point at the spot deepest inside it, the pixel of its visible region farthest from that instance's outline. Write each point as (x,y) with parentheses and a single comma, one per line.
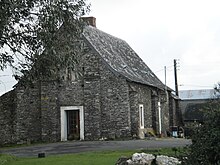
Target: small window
(141,115)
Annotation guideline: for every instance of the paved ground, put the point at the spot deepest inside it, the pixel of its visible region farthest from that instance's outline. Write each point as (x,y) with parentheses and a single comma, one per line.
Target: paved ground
(84,146)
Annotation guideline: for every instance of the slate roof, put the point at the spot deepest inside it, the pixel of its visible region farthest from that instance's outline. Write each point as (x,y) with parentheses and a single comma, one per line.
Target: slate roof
(121,58)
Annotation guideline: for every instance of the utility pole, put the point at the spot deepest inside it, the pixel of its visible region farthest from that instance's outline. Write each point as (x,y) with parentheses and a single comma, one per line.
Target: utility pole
(175,76)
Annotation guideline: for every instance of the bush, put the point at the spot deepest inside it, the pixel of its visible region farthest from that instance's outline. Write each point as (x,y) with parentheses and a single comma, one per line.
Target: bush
(205,148)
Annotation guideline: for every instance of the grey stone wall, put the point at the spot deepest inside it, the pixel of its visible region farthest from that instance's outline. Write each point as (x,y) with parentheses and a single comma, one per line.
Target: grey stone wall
(28,114)
(8,118)
(173,112)
(165,115)
(115,109)
(91,100)
(84,90)
(110,103)
(149,97)
(50,111)
(154,110)
(133,100)
(140,94)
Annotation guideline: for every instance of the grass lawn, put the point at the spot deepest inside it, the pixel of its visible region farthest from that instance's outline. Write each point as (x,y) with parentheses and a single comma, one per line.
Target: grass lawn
(87,158)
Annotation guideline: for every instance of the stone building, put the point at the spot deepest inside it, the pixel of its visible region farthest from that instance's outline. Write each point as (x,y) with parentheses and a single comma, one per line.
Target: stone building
(115,96)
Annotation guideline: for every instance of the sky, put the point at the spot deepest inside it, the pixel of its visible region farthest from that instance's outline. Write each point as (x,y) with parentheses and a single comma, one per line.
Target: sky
(160,31)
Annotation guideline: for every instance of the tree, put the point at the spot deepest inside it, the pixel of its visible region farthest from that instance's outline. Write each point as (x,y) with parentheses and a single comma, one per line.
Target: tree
(205,148)
(28,28)
(217,90)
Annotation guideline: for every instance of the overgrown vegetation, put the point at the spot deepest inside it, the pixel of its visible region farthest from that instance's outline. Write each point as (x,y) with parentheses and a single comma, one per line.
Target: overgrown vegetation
(205,148)
(28,28)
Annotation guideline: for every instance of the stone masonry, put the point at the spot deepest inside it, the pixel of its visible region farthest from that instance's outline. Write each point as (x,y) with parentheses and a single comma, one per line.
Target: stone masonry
(108,95)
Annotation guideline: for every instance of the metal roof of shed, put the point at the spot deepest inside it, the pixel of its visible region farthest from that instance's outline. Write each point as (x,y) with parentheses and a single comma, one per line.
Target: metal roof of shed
(197,94)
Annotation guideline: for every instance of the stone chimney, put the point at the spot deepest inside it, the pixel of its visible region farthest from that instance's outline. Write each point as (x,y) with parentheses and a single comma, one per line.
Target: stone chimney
(90,21)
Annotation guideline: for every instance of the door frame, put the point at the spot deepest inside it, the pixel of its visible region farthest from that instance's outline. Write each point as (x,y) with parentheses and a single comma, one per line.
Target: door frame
(63,120)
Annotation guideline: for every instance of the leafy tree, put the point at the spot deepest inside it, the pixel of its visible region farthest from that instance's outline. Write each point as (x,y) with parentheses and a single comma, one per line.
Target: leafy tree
(205,148)
(217,90)
(29,27)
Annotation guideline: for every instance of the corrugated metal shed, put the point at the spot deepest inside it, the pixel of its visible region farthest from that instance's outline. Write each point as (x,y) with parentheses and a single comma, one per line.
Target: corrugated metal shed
(197,94)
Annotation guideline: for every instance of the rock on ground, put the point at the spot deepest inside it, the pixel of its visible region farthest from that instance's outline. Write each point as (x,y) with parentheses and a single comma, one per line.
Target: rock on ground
(147,159)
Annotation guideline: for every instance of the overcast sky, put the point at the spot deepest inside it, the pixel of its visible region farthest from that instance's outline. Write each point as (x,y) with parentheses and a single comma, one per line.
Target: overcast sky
(161,31)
